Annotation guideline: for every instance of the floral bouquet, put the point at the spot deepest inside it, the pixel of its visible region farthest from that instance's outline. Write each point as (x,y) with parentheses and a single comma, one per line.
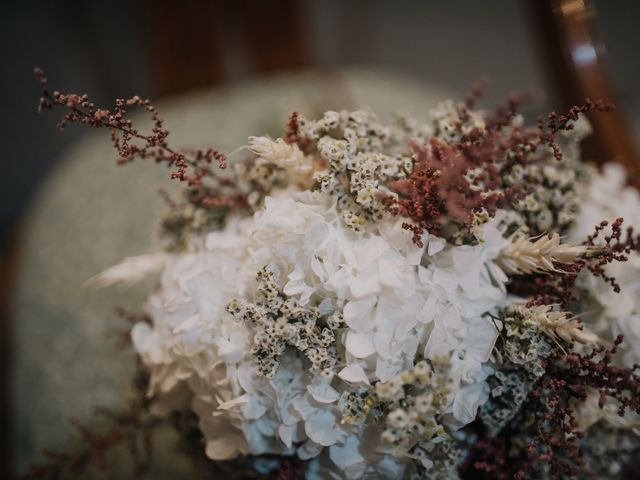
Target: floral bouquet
(363,299)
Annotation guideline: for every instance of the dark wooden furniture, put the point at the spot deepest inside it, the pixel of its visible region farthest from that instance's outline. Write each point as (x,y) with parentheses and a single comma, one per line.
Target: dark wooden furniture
(577,64)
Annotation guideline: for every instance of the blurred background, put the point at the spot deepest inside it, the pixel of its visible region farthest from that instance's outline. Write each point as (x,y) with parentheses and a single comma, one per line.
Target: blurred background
(165,49)
(155,48)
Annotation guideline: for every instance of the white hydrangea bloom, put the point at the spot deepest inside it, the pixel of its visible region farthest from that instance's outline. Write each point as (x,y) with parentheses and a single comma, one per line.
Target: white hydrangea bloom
(393,307)
(192,340)
(466,284)
(398,301)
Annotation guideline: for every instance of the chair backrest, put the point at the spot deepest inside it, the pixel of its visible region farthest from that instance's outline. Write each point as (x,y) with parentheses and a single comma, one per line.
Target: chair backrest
(577,60)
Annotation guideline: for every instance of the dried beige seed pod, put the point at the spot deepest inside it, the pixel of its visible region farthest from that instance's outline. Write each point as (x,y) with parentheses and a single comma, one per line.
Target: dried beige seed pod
(560,325)
(536,255)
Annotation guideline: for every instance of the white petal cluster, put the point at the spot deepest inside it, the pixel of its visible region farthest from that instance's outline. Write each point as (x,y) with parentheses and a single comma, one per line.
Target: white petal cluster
(192,344)
(398,302)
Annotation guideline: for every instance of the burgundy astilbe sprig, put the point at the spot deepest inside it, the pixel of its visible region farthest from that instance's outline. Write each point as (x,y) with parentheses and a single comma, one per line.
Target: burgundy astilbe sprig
(292,133)
(595,370)
(94,453)
(475,93)
(567,380)
(440,186)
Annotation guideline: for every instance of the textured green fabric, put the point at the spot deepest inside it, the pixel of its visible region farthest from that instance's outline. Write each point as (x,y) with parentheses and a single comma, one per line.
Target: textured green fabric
(91,213)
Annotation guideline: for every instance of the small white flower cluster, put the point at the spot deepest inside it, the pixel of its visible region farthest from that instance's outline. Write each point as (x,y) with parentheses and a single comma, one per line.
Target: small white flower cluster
(277,322)
(524,344)
(552,203)
(418,402)
(363,157)
(447,122)
(509,390)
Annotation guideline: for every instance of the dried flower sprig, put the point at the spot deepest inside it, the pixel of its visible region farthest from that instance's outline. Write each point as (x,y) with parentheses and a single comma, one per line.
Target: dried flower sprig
(543,440)
(191,166)
(293,134)
(550,288)
(529,335)
(288,156)
(559,325)
(557,286)
(438,187)
(411,406)
(615,248)
(564,122)
(596,370)
(97,446)
(279,321)
(454,181)
(536,255)
(81,110)
(568,379)
(129,271)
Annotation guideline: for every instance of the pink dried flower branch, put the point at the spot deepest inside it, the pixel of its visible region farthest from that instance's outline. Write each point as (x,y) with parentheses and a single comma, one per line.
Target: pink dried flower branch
(615,248)
(191,166)
(565,122)
(439,186)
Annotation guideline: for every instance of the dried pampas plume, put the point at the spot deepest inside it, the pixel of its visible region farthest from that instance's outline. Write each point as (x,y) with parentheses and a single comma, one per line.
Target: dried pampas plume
(129,271)
(537,255)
